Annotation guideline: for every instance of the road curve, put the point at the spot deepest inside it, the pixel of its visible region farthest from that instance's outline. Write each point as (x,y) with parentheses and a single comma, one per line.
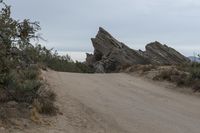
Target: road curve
(130,104)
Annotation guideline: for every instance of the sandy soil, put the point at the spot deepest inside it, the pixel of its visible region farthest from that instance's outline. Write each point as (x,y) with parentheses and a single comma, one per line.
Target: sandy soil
(119,103)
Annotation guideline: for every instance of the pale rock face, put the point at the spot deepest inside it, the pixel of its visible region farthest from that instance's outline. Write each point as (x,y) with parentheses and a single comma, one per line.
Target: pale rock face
(110,55)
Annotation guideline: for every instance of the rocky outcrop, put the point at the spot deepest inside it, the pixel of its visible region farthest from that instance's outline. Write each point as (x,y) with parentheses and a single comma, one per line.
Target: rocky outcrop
(163,55)
(110,55)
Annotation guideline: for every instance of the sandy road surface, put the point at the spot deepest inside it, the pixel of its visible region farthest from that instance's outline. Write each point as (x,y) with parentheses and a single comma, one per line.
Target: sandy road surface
(114,103)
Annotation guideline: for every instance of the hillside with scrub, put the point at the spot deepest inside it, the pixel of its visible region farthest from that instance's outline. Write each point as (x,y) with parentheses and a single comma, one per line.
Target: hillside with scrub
(22,60)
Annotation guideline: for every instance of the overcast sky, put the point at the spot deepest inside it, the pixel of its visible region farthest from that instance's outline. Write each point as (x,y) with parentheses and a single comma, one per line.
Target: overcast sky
(68,25)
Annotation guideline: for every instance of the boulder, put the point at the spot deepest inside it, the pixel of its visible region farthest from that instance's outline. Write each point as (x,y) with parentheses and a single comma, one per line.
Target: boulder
(111,55)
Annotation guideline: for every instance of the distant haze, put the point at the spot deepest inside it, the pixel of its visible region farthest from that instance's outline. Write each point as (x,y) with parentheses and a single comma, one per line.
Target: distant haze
(76,56)
(68,25)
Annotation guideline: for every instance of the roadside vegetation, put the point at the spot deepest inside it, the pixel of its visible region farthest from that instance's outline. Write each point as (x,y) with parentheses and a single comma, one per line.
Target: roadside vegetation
(48,58)
(184,75)
(21,63)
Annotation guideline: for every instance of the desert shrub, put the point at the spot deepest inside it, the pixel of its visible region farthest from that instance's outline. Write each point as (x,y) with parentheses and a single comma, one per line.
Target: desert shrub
(45,101)
(47,107)
(193,68)
(196,86)
(45,92)
(42,66)
(65,64)
(23,84)
(4,96)
(187,75)
(166,74)
(140,68)
(172,74)
(31,72)
(195,73)
(84,68)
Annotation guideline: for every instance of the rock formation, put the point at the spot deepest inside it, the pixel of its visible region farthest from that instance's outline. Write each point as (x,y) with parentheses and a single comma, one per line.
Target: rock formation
(163,55)
(110,55)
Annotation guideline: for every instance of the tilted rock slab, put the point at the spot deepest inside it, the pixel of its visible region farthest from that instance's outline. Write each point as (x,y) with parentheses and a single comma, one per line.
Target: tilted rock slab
(163,55)
(110,55)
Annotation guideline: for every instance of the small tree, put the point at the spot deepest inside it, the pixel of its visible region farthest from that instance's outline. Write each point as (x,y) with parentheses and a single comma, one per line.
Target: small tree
(8,31)
(15,43)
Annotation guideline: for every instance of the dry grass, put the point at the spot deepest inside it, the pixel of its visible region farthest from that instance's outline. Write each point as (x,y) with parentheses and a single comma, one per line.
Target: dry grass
(187,75)
(140,68)
(45,101)
(170,74)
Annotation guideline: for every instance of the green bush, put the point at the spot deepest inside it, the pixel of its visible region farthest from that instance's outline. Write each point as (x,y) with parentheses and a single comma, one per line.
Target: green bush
(23,85)
(31,72)
(83,67)
(65,64)
(195,73)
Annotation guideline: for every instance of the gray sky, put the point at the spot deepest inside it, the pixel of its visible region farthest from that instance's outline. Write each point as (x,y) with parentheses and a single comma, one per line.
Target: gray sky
(68,25)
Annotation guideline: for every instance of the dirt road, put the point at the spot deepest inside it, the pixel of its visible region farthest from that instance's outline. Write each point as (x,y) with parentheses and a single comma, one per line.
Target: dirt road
(114,103)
